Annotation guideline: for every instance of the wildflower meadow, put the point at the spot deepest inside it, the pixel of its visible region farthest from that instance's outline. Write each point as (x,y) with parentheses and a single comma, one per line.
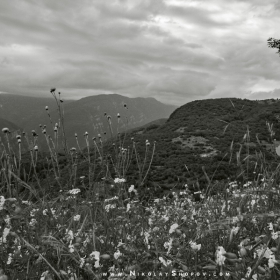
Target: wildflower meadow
(61,224)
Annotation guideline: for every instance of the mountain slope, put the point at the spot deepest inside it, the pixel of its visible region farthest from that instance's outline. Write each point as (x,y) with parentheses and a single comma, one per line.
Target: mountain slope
(88,115)
(200,133)
(21,109)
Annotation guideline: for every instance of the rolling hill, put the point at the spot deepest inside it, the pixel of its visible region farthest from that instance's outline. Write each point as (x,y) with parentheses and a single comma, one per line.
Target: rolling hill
(209,134)
(202,141)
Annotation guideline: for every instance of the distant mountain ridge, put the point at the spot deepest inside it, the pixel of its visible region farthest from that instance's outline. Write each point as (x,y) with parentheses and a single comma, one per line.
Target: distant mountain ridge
(88,114)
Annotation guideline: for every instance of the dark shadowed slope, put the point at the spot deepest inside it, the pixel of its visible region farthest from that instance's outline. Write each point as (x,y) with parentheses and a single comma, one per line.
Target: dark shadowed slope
(200,133)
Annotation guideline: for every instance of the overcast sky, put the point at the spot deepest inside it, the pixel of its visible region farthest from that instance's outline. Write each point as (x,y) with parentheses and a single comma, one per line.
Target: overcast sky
(173,50)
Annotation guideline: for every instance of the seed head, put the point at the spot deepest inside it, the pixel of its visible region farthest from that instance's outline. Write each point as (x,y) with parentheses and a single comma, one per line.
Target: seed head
(86,133)
(47,108)
(105,114)
(52,90)
(124,105)
(76,135)
(5,130)
(73,149)
(36,148)
(99,135)
(19,141)
(18,137)
(55,129)
(40,125)
(93,138)
(119,115)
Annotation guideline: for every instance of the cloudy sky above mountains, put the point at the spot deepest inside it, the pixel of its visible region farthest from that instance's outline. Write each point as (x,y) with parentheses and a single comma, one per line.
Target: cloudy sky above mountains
(173,50)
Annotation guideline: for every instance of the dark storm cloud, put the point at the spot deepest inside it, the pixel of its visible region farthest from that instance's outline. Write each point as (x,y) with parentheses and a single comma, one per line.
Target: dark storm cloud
(181,49)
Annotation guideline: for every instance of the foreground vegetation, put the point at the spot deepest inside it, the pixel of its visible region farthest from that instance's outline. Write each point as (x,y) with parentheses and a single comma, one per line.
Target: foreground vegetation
(61,224)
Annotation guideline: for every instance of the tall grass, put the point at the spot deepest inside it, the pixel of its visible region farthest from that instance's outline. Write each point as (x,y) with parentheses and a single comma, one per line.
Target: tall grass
(56,224)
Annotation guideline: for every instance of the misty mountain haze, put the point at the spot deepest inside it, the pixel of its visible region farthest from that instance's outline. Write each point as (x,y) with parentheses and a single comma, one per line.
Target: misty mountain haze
(83,115)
